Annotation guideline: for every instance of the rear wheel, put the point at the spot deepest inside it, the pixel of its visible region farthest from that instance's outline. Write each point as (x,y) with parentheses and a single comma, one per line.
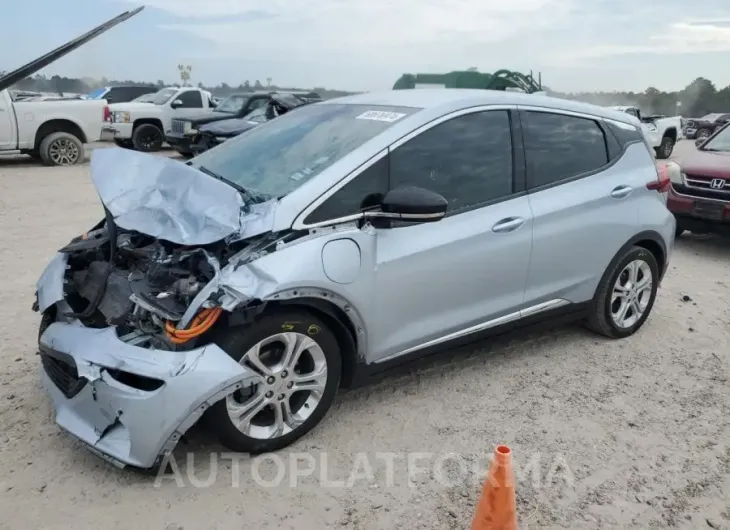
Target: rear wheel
(298,362)
(703,133)
(147,138)
(61,149)
(625,295)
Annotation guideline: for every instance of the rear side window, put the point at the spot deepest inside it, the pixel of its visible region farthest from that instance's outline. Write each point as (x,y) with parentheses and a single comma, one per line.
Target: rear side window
(559,147)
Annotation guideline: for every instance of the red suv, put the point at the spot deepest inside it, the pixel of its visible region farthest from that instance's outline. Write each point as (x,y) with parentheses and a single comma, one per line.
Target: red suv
(700,194)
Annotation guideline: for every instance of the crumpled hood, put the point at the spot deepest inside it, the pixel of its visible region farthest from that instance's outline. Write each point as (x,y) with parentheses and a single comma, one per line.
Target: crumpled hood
(169,200)
(204,115)
(229,127)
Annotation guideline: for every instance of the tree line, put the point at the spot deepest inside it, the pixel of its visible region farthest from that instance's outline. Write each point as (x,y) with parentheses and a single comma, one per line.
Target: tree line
(697,99)
(71,85)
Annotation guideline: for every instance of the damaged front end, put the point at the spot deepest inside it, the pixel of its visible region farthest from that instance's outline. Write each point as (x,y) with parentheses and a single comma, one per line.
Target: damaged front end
(130,309)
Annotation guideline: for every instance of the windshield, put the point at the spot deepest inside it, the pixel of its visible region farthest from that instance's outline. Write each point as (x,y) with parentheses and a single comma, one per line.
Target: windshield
(231,104)
(275,158)
(145,98)
(719,142)
(96,94)
(162,96)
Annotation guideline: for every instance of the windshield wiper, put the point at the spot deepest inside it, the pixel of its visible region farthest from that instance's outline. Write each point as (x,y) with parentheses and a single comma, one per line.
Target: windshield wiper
(243,191)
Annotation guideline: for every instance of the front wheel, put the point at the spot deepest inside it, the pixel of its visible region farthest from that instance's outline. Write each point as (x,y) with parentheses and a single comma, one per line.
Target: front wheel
(147,138)
(703,133)
(298,362)
(665,149)
(625,295)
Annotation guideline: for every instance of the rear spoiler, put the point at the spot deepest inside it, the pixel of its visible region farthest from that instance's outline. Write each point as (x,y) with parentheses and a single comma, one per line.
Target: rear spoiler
(32,67)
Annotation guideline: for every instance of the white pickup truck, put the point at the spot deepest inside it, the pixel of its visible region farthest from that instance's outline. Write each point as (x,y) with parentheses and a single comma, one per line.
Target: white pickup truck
(57,129)
(661,133)
(53,131)
(141,125)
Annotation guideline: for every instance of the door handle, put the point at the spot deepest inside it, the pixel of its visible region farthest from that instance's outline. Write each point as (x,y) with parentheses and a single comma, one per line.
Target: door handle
(508,224)
(621,191)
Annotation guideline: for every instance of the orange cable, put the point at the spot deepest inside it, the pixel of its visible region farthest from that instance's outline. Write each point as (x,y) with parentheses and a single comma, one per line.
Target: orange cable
(202,322)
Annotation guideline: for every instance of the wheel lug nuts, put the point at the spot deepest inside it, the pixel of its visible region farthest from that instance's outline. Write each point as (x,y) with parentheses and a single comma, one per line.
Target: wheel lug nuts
(269,394)
(271,380)
(289,384)
(284,373)
(281,397)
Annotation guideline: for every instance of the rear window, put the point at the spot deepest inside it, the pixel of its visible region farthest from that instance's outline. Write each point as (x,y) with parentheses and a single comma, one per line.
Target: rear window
(96,94)
(277,157)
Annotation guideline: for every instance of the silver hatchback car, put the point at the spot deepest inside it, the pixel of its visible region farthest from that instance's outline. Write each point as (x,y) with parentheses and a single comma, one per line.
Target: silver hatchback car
(247,285)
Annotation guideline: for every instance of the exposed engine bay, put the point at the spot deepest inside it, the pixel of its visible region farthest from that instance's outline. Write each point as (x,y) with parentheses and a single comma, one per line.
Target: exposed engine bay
(140,284)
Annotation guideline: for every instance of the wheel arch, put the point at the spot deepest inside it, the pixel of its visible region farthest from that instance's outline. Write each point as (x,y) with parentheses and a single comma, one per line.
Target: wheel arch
(649,240)
(670,132)
(343,327)
(149,121)
(58,125)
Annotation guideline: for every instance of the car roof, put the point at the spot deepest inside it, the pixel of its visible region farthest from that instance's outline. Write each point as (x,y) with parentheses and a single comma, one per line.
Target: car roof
(451,99)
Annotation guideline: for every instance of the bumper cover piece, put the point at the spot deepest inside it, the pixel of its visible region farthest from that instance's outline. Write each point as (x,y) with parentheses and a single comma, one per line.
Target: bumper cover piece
(128,425)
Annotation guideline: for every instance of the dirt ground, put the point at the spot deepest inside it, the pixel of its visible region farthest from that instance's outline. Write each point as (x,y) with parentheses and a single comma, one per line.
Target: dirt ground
(633,434)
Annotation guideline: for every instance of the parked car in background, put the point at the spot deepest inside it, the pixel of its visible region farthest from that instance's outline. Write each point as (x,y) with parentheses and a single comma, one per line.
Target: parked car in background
(53,131)
(141,124)
(121,93)
(214,133)
(252,282)
(661,133)
(699,128)
(185,128)
(700,193)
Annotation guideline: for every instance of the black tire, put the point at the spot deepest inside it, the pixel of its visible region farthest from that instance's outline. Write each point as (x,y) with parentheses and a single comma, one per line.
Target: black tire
(703,133)
(600,319)
(236,341)
(147,138)
(665,148)
(678,231)
(61,149)
(125,144)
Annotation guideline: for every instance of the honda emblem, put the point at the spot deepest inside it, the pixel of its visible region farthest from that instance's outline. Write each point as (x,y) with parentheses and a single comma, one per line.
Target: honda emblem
(717,184)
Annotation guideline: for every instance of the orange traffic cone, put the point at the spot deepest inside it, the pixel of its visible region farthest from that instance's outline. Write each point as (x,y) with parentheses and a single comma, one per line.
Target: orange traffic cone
(497,508)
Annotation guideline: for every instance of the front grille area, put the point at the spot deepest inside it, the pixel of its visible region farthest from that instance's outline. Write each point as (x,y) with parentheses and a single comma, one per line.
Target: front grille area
(178,126)
(61,369)
(700,186)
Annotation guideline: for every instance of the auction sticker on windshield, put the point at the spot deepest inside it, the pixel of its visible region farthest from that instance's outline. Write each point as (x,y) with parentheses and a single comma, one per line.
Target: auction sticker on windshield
(379,115)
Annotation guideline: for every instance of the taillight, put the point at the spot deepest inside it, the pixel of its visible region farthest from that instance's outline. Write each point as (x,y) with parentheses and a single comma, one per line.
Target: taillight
(662,182)
(107,114)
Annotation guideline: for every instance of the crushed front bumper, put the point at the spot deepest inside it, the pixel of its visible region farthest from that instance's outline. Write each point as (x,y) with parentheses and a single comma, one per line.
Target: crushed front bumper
(128,404)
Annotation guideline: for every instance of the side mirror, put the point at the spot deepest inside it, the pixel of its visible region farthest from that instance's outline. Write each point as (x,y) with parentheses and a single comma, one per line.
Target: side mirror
(412,204)
(177,103)
(700,141)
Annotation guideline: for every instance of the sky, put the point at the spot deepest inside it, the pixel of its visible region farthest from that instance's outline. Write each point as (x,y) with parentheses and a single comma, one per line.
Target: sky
(577,45)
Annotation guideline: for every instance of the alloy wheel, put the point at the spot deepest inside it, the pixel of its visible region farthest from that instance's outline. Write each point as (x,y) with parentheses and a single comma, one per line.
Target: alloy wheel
(63,152)
(631,294)
(292,370)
